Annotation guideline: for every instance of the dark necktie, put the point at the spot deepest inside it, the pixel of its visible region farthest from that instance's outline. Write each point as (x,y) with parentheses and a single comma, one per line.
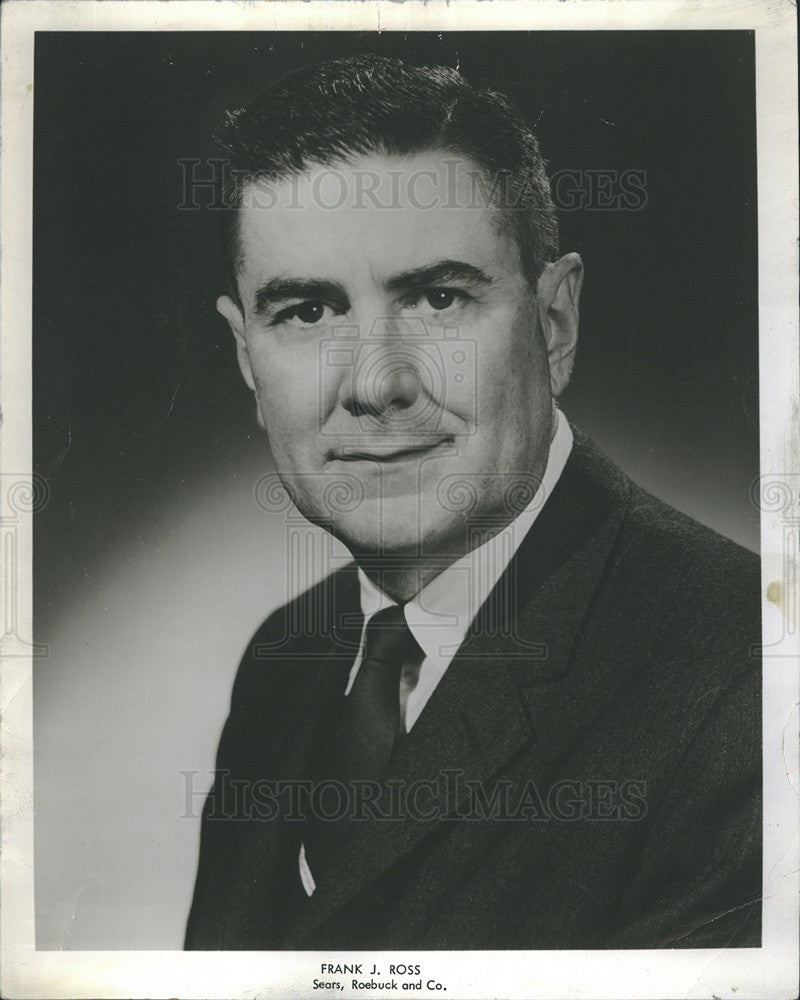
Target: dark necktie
(363,736)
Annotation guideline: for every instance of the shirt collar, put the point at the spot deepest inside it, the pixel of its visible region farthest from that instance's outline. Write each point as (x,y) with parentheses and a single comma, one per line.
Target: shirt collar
(440,614)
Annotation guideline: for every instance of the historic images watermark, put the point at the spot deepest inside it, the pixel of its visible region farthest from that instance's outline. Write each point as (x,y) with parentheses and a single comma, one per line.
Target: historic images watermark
(20,496)
(778,493)
(449,795)
(210,184)
(311,556)
(441,361)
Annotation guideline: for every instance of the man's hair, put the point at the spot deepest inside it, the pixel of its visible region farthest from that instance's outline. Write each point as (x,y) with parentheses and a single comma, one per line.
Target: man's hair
(369,104)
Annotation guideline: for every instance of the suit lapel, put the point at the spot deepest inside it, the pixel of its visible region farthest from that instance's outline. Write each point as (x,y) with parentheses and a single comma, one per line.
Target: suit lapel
(492,703)
(259,858)
(332,663)
(448,738)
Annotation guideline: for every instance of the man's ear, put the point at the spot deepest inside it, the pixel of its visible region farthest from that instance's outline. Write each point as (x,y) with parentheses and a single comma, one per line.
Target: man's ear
(558,295)
(230,311)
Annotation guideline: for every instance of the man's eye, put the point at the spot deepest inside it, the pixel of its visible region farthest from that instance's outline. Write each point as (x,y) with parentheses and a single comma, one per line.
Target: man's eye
(440,298)
(431,300)
(306,313)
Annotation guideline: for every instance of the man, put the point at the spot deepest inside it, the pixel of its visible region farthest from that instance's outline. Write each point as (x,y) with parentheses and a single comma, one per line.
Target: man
(527,716)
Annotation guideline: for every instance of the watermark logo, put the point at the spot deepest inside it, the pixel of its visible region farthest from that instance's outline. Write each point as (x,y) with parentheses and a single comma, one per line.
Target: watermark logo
(215,185)
(405,366)
(448,795)
(20,496)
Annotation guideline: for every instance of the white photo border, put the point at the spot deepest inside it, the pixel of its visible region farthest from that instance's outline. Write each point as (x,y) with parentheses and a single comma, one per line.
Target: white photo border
(771,971)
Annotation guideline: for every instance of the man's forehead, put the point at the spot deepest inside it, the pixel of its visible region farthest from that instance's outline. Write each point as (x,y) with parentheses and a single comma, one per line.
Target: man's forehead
(397,211)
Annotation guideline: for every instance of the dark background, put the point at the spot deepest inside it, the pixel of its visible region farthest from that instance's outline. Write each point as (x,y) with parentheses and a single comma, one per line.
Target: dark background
(147,436)
(135,384)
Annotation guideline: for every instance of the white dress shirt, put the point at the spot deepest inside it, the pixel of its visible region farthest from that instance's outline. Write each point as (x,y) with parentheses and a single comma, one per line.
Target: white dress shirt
(443,610)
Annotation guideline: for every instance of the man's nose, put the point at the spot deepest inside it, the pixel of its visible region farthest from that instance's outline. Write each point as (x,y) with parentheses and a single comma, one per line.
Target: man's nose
(385,373)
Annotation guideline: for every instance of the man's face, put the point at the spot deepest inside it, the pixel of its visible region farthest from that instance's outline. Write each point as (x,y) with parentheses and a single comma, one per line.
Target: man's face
(403,367)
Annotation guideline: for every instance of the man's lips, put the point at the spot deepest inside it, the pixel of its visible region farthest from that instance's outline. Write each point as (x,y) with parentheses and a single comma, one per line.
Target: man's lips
(394,451)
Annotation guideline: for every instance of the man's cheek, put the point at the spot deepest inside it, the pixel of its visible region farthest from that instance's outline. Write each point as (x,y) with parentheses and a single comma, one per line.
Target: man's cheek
(285,400)
(284,430)
(288,437)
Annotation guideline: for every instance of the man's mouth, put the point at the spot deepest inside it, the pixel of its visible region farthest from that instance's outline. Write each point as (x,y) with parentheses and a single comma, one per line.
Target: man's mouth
(391,452)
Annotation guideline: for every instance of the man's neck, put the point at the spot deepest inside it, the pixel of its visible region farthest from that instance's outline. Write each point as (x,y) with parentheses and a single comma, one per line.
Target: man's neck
(401,581)
(402,576)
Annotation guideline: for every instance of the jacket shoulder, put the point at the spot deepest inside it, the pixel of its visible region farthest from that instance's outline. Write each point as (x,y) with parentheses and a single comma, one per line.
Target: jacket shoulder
(675,596)
(682,564)
(681,605)
(691,566)
(291,637)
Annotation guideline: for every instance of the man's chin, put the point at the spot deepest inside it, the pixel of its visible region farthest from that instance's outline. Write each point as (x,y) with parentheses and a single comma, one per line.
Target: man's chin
(406,526)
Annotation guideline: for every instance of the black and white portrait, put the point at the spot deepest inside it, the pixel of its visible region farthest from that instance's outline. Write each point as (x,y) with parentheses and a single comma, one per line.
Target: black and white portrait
(405,584)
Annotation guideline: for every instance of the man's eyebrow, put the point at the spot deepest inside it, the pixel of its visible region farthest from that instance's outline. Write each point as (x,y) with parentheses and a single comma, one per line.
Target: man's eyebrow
(439,273)
(280,289)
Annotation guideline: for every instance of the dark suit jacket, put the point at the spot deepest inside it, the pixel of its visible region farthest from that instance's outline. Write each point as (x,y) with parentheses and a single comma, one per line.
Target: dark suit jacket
(612,696)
